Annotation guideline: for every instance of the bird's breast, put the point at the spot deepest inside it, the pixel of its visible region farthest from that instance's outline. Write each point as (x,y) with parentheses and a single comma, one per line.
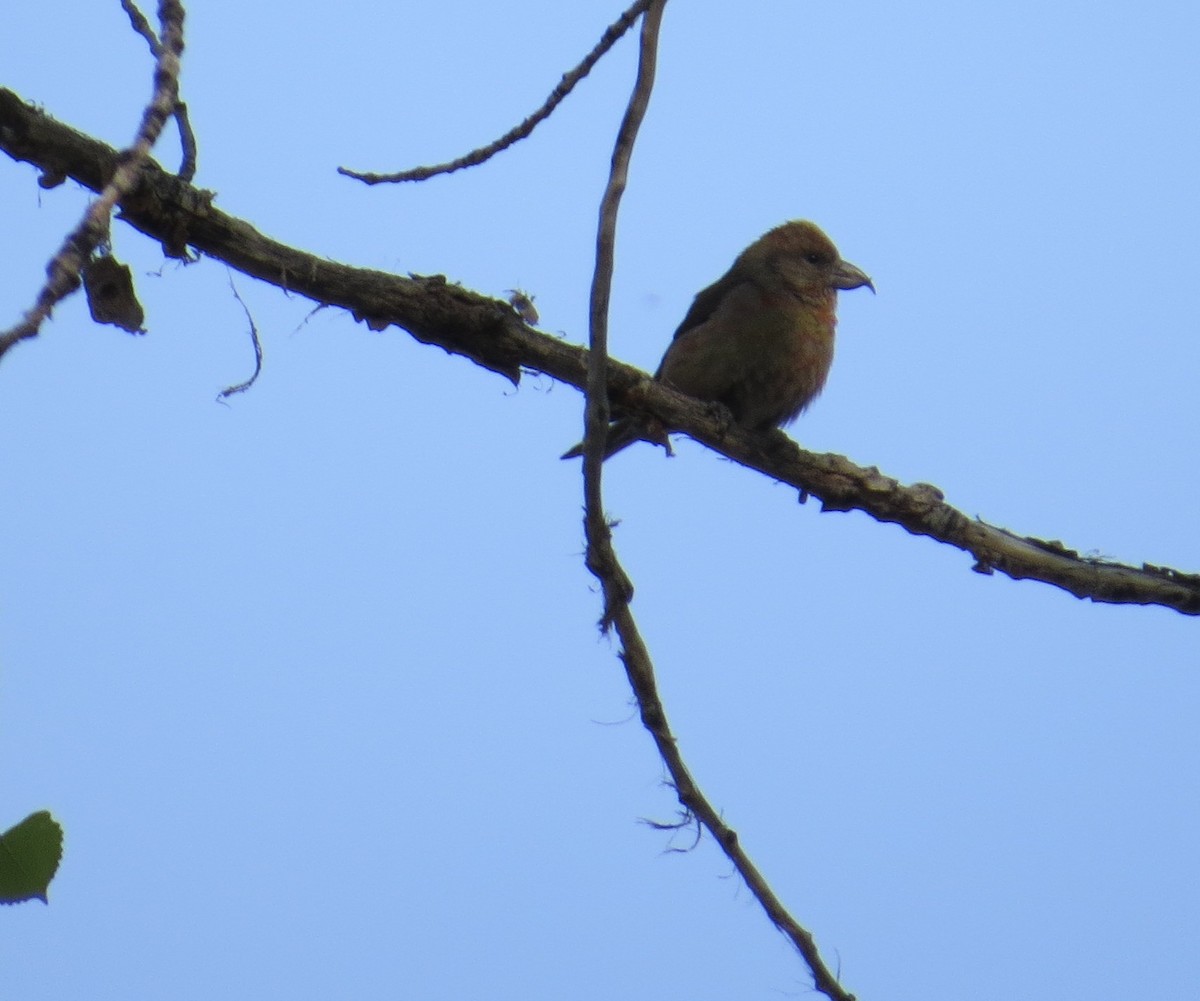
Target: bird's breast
(786,362)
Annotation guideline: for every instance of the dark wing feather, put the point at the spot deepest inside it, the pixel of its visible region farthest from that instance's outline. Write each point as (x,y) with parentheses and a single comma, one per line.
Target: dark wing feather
(708,300)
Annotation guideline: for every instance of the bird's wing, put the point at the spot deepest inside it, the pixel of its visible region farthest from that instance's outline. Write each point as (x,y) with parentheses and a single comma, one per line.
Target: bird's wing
(709,300)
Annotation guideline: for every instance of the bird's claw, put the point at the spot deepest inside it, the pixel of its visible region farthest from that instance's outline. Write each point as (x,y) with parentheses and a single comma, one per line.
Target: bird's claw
(720,415)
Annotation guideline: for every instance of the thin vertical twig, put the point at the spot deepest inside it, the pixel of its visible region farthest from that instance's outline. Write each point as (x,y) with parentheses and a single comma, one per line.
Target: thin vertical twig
(602,558)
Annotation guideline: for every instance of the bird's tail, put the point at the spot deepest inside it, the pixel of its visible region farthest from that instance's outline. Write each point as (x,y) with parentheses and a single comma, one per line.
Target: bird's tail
(621,434)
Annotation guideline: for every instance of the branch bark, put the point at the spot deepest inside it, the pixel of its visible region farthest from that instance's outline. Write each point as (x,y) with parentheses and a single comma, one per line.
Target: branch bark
(490,333)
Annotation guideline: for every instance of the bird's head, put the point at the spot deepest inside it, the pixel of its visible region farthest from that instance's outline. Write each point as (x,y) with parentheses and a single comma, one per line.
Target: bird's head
(801,256)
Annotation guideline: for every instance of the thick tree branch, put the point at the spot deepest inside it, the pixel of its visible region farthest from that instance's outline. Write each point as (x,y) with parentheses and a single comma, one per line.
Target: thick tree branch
(490,333)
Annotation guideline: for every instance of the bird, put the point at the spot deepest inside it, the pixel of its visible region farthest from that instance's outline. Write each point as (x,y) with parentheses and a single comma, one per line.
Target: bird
(758,340)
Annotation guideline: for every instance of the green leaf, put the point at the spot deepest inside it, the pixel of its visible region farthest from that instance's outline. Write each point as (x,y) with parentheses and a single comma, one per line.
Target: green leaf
(29,857)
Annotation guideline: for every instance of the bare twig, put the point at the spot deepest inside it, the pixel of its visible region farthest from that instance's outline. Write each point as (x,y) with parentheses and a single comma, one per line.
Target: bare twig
(522,131)
(139,23)
(187,138)
(187,142)
(640,671)
(63,270)
(602,558)
(241,387)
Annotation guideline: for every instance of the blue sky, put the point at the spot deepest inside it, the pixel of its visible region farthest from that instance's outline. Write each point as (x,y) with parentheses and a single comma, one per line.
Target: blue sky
(312,679)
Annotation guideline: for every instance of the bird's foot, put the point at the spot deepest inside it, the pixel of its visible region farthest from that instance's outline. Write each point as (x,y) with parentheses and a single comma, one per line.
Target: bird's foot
(720,415)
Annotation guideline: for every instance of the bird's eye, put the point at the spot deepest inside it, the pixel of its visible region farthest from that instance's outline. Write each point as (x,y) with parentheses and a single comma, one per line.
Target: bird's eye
(814,258)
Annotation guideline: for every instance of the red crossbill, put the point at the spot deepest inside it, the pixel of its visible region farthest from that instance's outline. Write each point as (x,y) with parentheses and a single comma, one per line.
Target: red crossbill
(759,340)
